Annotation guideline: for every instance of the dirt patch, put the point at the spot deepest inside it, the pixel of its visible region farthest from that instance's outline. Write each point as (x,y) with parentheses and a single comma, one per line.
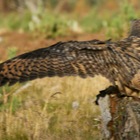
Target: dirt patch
(25,42)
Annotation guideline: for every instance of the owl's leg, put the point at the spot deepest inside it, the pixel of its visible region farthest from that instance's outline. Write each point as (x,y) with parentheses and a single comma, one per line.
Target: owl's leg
(108,91)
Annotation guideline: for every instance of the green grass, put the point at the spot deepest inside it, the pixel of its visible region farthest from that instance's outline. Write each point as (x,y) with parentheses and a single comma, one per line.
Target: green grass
(15,21)
(11,52)
(51,24)
(46,23)
(113,24)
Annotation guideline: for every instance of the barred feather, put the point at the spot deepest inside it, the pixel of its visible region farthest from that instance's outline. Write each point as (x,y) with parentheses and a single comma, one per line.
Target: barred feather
(117,61)
(73,58)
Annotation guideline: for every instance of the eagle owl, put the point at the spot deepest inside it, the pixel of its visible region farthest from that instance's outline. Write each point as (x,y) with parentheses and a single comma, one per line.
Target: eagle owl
(118,61)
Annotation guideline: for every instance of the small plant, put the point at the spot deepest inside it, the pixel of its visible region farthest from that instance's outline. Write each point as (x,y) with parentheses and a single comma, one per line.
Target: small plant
(11,52)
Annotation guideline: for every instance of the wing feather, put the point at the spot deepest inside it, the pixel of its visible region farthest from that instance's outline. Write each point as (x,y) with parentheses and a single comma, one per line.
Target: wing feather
(85,58)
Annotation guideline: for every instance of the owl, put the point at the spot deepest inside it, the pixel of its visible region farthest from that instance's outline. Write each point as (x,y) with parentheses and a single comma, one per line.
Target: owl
(117,61)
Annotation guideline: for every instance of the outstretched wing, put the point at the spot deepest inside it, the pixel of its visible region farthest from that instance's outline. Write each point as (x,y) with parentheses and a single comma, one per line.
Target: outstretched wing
(72,58)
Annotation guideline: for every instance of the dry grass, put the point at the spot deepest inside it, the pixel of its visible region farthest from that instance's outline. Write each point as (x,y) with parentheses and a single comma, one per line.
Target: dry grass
(52,109)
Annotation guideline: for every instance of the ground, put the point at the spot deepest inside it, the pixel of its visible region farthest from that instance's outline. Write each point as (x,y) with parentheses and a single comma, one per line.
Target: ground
(25,42)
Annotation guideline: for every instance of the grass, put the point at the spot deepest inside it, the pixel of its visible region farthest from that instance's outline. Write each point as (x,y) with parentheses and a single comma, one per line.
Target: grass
(52,108)
(113,24)
(12,51)
(51,24)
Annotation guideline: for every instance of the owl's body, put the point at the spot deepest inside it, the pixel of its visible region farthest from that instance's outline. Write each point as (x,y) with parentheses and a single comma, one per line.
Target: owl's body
(117,61)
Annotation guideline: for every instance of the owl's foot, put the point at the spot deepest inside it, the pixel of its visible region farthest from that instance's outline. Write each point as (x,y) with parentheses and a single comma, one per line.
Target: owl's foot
(108,91)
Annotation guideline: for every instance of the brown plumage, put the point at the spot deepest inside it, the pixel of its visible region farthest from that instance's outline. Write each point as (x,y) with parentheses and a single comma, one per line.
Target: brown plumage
(117,61)
(135,28)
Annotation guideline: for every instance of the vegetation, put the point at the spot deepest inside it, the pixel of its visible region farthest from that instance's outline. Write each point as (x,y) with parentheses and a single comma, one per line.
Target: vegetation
(52,109)
(54,24)
(55,108)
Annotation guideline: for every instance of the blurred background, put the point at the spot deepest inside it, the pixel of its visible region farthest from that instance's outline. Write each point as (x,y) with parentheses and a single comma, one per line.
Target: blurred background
(56,108)
(61,18)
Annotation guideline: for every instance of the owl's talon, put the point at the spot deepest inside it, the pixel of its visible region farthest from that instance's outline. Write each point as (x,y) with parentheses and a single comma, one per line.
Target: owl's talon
(108,91)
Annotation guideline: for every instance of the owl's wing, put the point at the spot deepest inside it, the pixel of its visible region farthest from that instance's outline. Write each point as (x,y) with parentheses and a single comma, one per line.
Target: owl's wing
(85,58)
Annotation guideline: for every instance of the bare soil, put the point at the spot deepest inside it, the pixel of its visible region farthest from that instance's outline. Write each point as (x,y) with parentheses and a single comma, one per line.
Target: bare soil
(25,42)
